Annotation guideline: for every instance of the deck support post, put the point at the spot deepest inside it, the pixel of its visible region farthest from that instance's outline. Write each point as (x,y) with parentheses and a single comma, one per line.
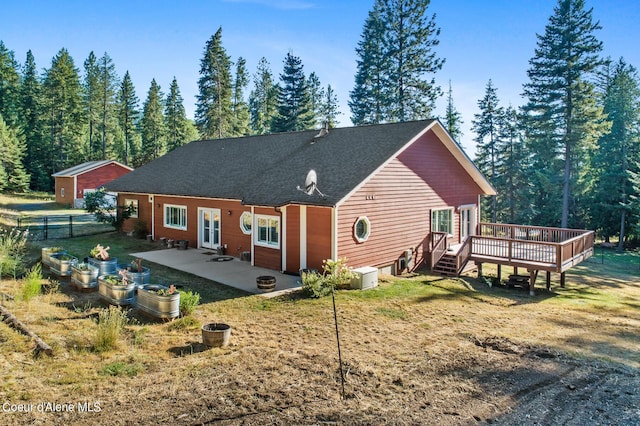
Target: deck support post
(562,279)
(533,274)
(548,280)
(479,270)
(499,273)
(515,270)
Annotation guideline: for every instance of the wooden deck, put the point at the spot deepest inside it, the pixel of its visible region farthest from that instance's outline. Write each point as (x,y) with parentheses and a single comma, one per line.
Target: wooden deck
(531,247)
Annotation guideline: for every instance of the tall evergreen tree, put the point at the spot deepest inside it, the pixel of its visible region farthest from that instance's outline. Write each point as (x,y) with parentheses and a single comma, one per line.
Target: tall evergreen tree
(37,152)
(452,118)
(512,169)
(371,93)
(617,156)
(317,96)
(9,86)
(397,63)
(330,111)
(92,104)
(128,115)
(239,106)
(152,124)
(563,120)
(62,102)
(262,99)
(177,125)
(295,111)
(214,116)
(12,151)
(108,84)
(485,125)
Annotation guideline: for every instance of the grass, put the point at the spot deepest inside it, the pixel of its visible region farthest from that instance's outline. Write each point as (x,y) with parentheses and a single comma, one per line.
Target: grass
(411,339)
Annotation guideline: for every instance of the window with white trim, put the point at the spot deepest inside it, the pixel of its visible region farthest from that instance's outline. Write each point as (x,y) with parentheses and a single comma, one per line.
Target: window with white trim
(362,229)
(442,221)
(175,216)
(128,202)
(246,221)
(268,231)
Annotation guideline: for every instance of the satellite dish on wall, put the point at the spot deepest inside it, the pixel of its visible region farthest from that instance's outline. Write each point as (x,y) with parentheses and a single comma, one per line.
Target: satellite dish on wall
(311,184)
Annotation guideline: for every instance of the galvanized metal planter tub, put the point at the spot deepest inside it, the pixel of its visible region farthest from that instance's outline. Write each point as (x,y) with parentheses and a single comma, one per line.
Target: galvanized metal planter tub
(84,275)
(116,294)
(47,252)
(61,264)
(157,305)
(139,278)
(216,334)
(105,267)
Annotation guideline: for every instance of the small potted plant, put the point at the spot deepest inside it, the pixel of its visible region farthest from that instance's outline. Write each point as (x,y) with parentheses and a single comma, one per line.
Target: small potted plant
(159,301)
(117,289)
(99,257)
(61,263)
(84,275)
(47,252)
(136,272)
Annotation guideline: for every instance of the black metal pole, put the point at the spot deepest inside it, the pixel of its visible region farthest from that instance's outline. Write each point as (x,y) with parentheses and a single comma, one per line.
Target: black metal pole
(335,319)
(70,226)
(46,227)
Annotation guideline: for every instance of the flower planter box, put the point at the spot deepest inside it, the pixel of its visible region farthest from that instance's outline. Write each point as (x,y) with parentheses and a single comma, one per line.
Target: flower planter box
(216,334)
(157,305)
(61,264)
(139,278)
(47,252)
(84,276)
(105,267)
(113,291)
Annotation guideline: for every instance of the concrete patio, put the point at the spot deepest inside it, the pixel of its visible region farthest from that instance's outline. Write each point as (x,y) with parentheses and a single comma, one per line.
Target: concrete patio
(234,273)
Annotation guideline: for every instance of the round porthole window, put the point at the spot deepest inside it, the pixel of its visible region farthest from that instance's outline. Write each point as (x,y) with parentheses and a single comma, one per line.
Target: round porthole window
(246,221)
(362,229)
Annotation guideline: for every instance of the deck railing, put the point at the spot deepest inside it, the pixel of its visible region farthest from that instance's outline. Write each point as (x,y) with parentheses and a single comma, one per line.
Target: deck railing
(547,248)
(438,247)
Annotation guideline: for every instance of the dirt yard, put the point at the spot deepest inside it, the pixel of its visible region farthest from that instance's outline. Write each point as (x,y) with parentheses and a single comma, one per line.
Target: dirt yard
(417,350)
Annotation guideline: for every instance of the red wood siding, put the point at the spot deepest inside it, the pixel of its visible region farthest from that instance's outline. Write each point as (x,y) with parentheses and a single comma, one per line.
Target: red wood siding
(144,211)
(318,236)
(96,178)
(66,184)
(398,201)
(267,257)
(293,239)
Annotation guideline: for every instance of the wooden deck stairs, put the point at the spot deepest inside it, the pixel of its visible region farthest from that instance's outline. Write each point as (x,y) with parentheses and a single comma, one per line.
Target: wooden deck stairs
(452,263)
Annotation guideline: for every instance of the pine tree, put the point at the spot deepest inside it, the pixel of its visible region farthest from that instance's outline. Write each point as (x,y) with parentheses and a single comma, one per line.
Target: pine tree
(397,63)
(485,125)
(295,111)
(262,99)
(62,100)
(240,107)
(329,114)
(12,150)
(452,118)
(92,104)
(563,120)
(214,116)
(107,83)
(617,156)
(152,124)
(128,115)
(371,94)
(9,86)
(37,150)
(176,123)
(316,95)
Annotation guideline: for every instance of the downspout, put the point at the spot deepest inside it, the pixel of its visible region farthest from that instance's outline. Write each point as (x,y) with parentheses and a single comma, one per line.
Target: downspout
(283,238)
(153,216)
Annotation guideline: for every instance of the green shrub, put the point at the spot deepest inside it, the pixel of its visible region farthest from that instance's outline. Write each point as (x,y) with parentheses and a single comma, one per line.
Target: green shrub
(184,324)
(12,251)
(31,284)
(111,323)
(315,285)
(120,368)
(188,302)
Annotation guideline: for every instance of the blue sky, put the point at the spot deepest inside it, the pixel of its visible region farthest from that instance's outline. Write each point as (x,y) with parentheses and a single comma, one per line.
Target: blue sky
(160,39)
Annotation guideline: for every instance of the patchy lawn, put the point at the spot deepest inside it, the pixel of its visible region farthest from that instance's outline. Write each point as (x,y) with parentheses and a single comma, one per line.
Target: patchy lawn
(416,350)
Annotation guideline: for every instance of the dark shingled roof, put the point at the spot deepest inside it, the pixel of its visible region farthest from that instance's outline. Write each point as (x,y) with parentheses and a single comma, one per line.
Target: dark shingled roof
(266,170)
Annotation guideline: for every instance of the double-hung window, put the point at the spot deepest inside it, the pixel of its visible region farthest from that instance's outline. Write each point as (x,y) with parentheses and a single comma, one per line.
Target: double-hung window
(442,221)
(175,216)
(268,231)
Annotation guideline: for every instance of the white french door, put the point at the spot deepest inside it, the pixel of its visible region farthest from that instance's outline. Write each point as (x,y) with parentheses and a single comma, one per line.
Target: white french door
(209,228)
(467,221)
